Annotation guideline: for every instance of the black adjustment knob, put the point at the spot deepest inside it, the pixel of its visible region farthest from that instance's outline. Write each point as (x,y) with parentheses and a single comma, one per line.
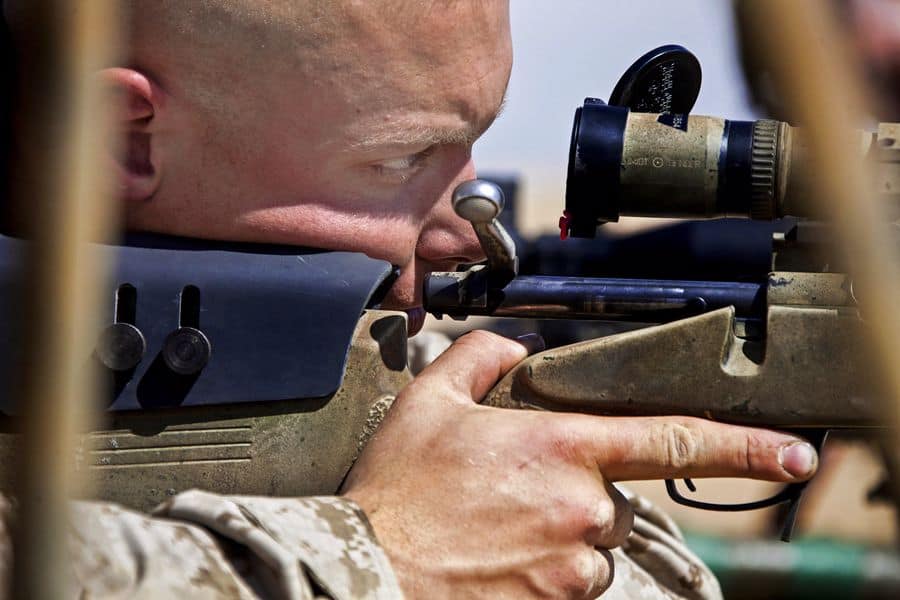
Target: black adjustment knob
(121,346)
(186,350)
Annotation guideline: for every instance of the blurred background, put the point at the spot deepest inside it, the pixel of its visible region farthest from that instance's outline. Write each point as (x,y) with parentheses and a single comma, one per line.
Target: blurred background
(564,51)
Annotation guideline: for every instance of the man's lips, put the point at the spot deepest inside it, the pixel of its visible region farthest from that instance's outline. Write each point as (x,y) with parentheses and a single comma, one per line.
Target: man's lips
(415,320)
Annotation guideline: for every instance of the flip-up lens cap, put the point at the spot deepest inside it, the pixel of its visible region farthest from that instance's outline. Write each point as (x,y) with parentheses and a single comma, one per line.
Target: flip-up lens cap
(665,80)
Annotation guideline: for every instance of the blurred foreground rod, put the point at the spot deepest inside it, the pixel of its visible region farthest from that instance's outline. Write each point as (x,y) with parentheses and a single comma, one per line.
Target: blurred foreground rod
(60,138)
(801,46)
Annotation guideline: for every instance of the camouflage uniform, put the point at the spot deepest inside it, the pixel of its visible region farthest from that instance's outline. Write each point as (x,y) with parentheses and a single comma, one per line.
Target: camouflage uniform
(205,546)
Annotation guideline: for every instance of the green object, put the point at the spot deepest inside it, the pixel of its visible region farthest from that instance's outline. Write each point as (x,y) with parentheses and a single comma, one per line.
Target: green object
(806,568)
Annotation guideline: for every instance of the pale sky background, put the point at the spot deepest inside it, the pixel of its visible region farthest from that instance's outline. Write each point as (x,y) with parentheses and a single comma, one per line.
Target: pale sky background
(565,50)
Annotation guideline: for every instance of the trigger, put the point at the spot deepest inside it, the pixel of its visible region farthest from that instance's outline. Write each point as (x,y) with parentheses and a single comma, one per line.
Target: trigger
(790,518)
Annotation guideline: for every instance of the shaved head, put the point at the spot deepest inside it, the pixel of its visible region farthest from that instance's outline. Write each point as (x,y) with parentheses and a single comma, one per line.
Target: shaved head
(174,38)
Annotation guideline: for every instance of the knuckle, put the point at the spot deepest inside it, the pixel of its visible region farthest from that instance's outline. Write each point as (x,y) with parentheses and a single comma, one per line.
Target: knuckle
(751,455)
(581,574)
(681,443)
(610,520)
(480,340)
(603,515)
(559,441)
(592,519)
(488,350)
(588,574)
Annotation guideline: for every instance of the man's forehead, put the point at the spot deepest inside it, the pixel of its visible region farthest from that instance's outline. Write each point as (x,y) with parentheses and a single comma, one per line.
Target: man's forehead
(446,87)
(426,129)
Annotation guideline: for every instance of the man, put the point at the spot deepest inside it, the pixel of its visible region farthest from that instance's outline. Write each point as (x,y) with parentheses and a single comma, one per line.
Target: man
(346,125)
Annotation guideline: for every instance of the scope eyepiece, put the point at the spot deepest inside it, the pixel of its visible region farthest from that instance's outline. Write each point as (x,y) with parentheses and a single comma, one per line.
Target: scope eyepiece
(595,156)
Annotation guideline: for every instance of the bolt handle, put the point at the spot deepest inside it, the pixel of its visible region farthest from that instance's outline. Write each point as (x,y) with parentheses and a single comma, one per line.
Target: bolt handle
(480,202)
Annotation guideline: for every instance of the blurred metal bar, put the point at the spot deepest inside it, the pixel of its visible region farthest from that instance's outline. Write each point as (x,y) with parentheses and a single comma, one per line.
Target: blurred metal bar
(804,569)
(808,57)
(60,138)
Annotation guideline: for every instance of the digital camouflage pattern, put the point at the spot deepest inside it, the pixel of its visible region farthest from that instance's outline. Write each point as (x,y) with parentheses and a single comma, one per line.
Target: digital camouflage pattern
(204,546)
(320,544)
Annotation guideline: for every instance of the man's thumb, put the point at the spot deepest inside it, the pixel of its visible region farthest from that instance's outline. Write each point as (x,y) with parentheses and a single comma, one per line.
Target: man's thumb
(475,363)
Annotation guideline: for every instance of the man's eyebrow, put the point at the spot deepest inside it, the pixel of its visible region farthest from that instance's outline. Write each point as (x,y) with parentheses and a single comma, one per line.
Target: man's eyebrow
(415,135)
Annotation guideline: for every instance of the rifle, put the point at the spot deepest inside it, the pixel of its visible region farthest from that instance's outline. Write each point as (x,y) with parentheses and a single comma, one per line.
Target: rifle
(785,350)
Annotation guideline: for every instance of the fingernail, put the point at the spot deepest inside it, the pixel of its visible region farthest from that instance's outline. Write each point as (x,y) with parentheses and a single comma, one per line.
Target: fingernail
(533,342)
(798,458)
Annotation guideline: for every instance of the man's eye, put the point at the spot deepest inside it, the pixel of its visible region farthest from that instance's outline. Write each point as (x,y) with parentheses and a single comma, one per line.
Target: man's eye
(404,166)
(399,164)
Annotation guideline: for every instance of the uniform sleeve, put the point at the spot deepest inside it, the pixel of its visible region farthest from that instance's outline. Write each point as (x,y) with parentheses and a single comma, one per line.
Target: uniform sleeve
(319,545)
(203,546)
(208,547)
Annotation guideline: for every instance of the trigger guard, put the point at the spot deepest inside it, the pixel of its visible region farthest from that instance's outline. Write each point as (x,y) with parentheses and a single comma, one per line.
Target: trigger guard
(787,494)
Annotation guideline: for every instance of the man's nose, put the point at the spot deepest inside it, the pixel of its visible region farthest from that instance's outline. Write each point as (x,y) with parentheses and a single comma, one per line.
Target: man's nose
(447,237)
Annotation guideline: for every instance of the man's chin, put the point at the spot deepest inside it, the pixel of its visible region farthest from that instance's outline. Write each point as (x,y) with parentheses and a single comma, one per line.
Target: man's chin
(415,320)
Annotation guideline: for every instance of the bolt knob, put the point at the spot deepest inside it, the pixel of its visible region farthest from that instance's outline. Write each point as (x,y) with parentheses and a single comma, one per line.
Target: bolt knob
(186,350)
(478,201)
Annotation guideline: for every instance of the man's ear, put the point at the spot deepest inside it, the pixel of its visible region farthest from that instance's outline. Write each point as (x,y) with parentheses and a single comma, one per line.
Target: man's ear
(135,101)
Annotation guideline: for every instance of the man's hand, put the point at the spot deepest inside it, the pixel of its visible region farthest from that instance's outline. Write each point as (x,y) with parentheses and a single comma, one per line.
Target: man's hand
(470,500)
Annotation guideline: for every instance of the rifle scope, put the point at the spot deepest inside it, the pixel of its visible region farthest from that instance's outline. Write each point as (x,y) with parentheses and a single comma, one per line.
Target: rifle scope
(689,166)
